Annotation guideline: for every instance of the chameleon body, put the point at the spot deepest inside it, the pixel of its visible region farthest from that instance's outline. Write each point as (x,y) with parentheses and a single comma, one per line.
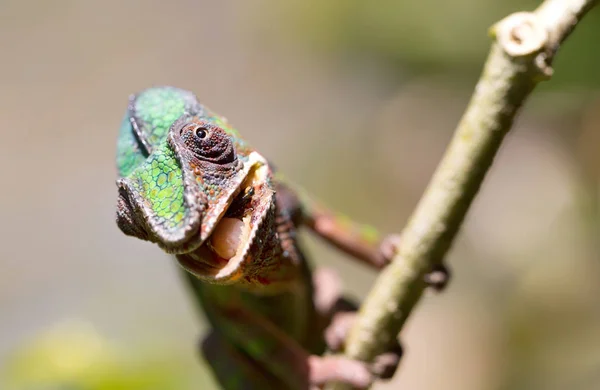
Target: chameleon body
(189,183)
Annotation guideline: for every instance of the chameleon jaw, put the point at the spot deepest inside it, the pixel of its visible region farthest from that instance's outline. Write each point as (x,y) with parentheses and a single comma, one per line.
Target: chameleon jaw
(228,251)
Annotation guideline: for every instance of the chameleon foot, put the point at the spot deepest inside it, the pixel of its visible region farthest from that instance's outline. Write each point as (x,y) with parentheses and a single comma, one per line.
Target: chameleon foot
(336,332)
(438,277)
(389,247)
(328,290)
(325,369)
(384,366)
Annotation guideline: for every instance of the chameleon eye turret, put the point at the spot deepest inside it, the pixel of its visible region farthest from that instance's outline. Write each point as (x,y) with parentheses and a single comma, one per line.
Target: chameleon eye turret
(208,142)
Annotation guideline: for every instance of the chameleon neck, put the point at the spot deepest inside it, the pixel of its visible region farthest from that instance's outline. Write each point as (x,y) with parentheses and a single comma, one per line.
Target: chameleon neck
(292,310)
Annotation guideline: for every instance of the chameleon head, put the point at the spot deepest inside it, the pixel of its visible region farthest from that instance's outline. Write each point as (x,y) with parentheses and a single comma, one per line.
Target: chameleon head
(201,195)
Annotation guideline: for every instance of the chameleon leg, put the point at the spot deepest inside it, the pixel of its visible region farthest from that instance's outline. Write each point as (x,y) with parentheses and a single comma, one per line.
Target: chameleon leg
(360,241)
(363,242)
(384,366)
(327,291)
(282,357)
(340,315)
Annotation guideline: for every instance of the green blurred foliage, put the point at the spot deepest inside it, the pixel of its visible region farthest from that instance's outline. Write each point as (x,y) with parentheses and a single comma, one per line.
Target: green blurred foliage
(74,356)
(428,36)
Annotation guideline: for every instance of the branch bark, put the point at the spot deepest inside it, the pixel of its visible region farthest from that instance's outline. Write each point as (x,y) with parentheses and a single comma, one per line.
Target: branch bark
(520,57)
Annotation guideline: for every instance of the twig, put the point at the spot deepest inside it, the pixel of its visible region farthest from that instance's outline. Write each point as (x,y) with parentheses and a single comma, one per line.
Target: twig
(520,57)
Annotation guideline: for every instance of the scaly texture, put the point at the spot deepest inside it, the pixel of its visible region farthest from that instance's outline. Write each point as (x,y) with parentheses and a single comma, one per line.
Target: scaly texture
(156,109)
(160,183)
(129,152)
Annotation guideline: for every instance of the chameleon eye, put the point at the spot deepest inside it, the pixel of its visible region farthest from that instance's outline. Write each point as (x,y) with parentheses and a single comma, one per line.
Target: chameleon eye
(201,132)
(208,142)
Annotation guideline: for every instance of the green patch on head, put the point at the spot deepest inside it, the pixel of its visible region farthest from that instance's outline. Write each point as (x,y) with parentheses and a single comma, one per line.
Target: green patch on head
(129,154)
(146,124)
(160,183)
(156,109)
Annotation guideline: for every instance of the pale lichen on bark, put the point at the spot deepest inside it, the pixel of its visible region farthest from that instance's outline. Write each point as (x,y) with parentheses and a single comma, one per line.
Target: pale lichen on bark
(520,57)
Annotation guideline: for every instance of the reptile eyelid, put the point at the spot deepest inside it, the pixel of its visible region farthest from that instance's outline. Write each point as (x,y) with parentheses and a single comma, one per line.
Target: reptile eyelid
(185,127)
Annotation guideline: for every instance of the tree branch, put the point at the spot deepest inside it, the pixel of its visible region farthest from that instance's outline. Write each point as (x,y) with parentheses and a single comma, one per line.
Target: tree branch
(520,57)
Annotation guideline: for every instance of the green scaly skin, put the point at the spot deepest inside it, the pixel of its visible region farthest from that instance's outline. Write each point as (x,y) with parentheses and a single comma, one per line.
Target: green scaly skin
(183,170)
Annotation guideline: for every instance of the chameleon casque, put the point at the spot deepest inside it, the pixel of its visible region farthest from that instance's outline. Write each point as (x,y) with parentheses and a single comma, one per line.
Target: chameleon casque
(190,183)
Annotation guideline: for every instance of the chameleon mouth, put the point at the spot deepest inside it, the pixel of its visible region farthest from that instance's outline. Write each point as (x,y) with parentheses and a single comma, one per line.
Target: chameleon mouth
(230,246)
(162,201)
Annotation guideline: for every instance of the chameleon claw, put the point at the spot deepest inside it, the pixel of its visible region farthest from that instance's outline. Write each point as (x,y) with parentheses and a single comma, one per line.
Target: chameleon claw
(325,369)
(336,332)
(327,290)
(386,364)
(389,247)
(438,278)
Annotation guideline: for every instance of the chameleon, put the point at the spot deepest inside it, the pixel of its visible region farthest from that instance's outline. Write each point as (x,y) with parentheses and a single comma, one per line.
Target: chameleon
(189,183)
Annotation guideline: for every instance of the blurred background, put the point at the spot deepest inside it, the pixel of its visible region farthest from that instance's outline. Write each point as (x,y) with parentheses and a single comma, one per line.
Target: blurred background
(356,101)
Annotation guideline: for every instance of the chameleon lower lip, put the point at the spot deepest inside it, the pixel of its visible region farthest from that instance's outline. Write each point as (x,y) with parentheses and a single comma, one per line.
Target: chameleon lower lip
(126,219)
(202,262)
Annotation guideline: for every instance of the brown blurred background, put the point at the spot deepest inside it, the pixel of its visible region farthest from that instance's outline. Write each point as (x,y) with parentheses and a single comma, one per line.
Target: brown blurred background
(355,100)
